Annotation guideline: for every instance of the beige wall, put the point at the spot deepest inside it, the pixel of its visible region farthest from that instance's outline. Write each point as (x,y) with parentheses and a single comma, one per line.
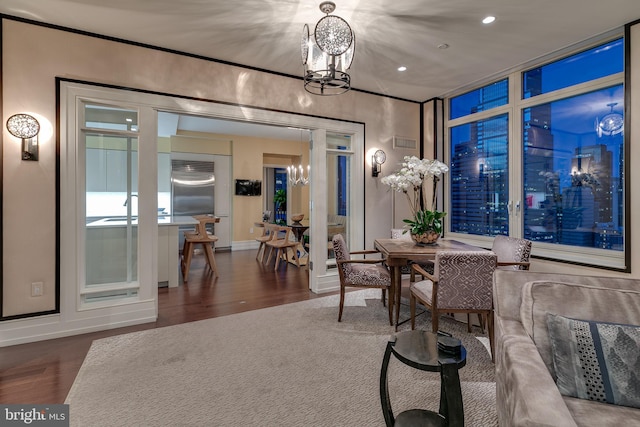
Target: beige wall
(34,56)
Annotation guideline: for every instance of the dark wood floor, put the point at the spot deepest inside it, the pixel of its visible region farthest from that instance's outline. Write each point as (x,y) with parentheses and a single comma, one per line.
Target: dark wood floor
(43,372)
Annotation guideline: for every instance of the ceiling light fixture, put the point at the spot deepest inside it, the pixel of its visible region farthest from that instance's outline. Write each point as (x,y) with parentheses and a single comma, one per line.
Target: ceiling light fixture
(296,175)
(611,124)
(327,54)
(488,19)
(402,68)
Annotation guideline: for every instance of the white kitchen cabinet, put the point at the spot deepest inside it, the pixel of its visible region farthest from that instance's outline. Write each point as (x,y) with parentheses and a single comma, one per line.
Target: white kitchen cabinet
(107,171)
(96,170)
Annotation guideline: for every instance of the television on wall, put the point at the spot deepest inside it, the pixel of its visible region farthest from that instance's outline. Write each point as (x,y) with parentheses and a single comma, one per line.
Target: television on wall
(248,187)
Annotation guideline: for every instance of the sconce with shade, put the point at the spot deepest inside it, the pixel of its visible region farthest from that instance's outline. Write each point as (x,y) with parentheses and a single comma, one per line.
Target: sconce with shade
(25,127)
(379,157)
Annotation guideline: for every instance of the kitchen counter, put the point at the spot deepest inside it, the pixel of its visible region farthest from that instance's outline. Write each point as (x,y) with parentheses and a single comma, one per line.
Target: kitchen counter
(163,220)
(107,236)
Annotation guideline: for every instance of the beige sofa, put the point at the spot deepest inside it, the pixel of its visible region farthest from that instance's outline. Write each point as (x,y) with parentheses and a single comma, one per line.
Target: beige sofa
(527,394)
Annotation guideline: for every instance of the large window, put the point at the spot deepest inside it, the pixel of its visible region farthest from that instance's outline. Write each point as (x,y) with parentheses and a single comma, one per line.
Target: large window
(573,171)
(547,163)
(480,177)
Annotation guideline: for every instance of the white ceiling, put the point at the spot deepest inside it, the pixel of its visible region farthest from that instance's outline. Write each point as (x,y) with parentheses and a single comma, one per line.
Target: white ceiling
(170,124)
(266,34)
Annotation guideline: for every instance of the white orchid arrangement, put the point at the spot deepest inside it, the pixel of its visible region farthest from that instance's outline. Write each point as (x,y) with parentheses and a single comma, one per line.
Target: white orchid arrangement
(410,180)
(412,176)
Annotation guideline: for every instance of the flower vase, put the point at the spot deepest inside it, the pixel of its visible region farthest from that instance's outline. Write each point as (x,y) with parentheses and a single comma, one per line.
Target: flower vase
(428,238)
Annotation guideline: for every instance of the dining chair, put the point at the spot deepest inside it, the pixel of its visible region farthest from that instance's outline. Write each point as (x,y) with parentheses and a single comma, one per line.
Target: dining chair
(461,283)
(268,232)
(360,273)
(200,236)
(513,253)
(282,246)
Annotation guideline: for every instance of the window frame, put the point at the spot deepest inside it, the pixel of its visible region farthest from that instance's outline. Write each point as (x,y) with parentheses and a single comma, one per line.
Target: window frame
(585,256)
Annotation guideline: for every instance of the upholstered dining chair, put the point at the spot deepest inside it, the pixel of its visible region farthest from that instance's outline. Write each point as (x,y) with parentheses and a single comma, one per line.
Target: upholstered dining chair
(361,273)
(461,283)
(513,253)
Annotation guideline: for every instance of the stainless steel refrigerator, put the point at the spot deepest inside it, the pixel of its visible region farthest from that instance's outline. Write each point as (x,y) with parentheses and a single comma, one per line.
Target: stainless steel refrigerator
(192,189)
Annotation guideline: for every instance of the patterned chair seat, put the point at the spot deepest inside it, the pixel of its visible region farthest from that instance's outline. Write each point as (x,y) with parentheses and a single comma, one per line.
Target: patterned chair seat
(368,275)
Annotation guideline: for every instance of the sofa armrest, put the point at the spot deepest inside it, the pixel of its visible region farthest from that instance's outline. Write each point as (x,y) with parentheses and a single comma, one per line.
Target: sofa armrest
(525,391)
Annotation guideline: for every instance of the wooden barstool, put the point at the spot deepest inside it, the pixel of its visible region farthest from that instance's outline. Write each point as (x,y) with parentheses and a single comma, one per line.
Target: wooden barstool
(202,237)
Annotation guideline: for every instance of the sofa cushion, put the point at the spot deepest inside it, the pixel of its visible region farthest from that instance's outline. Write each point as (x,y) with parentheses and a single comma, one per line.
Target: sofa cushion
(596,361)
(575,301)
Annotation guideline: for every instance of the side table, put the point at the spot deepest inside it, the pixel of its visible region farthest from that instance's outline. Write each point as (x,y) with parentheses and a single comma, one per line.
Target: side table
(419,349)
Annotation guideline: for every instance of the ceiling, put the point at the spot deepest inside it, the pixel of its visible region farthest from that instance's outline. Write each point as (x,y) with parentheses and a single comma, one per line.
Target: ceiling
(266,34)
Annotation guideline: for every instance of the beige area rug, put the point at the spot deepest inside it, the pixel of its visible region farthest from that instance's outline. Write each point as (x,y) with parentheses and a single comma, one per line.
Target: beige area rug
(291,365)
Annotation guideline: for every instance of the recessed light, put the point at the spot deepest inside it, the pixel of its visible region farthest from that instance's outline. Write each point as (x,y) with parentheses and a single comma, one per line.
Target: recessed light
(443,46)
(402,68)
(489,19)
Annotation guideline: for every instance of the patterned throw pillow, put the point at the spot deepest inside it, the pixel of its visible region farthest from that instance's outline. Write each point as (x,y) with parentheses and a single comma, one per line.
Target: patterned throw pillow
(596,361)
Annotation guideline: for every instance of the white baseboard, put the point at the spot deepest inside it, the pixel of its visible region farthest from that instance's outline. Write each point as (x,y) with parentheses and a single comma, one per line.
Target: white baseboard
(32,329)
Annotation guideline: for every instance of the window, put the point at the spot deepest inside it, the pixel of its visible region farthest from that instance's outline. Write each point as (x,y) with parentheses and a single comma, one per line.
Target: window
(485,98)
(547,165)
(582,67)
(573,172)
(480,177)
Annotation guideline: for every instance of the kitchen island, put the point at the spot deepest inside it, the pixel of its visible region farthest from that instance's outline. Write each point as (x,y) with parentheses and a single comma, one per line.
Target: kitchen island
(106,249)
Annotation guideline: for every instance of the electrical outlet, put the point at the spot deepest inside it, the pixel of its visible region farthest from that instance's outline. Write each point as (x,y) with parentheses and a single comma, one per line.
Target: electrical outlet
(251,230)
(37,289)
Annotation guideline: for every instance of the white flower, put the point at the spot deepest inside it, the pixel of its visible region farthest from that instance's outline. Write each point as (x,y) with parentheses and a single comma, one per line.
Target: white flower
(412,176)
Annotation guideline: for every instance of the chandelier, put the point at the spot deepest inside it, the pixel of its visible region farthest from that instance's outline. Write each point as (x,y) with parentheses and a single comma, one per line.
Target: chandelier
(327,54)
(611,124)
(296,175)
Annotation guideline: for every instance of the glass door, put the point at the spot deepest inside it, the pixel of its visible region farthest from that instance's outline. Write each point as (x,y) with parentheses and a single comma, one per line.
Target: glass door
(110,141)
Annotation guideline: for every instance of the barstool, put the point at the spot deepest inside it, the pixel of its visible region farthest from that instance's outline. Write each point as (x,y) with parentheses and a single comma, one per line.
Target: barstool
(202,237)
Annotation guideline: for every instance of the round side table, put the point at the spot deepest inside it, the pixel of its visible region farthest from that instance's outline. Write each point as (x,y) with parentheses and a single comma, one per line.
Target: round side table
(419,349)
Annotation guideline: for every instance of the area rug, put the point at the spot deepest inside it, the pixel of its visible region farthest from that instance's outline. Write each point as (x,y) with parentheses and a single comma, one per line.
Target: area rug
(291,365)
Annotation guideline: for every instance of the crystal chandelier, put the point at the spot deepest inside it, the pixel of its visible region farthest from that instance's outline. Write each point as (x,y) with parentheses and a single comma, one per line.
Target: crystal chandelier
(296,175)
(611,124)
(327,54)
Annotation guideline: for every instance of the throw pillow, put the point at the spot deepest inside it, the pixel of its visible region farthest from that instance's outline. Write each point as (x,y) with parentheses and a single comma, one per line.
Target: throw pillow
(596,360)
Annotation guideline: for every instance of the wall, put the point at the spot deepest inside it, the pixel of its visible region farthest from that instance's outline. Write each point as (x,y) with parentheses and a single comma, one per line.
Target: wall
(33,56)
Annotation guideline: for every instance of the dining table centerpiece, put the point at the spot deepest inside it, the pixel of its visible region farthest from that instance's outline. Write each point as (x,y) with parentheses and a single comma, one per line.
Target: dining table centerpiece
(425,227)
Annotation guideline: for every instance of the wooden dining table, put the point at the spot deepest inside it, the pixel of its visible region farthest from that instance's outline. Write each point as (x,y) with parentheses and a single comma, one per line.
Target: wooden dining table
(399,252)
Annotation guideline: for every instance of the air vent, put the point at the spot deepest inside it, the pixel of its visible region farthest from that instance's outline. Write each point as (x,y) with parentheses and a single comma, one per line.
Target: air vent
(405,143)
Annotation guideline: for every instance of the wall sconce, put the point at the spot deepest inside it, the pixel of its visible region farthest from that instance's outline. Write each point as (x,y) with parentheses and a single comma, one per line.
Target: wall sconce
(379,157)
(25,127)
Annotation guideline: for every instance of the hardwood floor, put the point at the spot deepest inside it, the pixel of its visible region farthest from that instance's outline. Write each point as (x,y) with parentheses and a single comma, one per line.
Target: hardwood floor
(43,372)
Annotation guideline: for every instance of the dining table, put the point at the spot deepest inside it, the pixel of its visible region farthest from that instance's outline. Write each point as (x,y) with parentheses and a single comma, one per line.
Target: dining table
(399,252)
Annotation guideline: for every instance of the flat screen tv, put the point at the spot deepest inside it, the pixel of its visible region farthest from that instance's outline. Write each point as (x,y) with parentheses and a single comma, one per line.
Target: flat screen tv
(248,187)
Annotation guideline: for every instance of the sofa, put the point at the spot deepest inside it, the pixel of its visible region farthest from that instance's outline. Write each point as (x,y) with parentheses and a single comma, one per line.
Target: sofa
(532,353)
